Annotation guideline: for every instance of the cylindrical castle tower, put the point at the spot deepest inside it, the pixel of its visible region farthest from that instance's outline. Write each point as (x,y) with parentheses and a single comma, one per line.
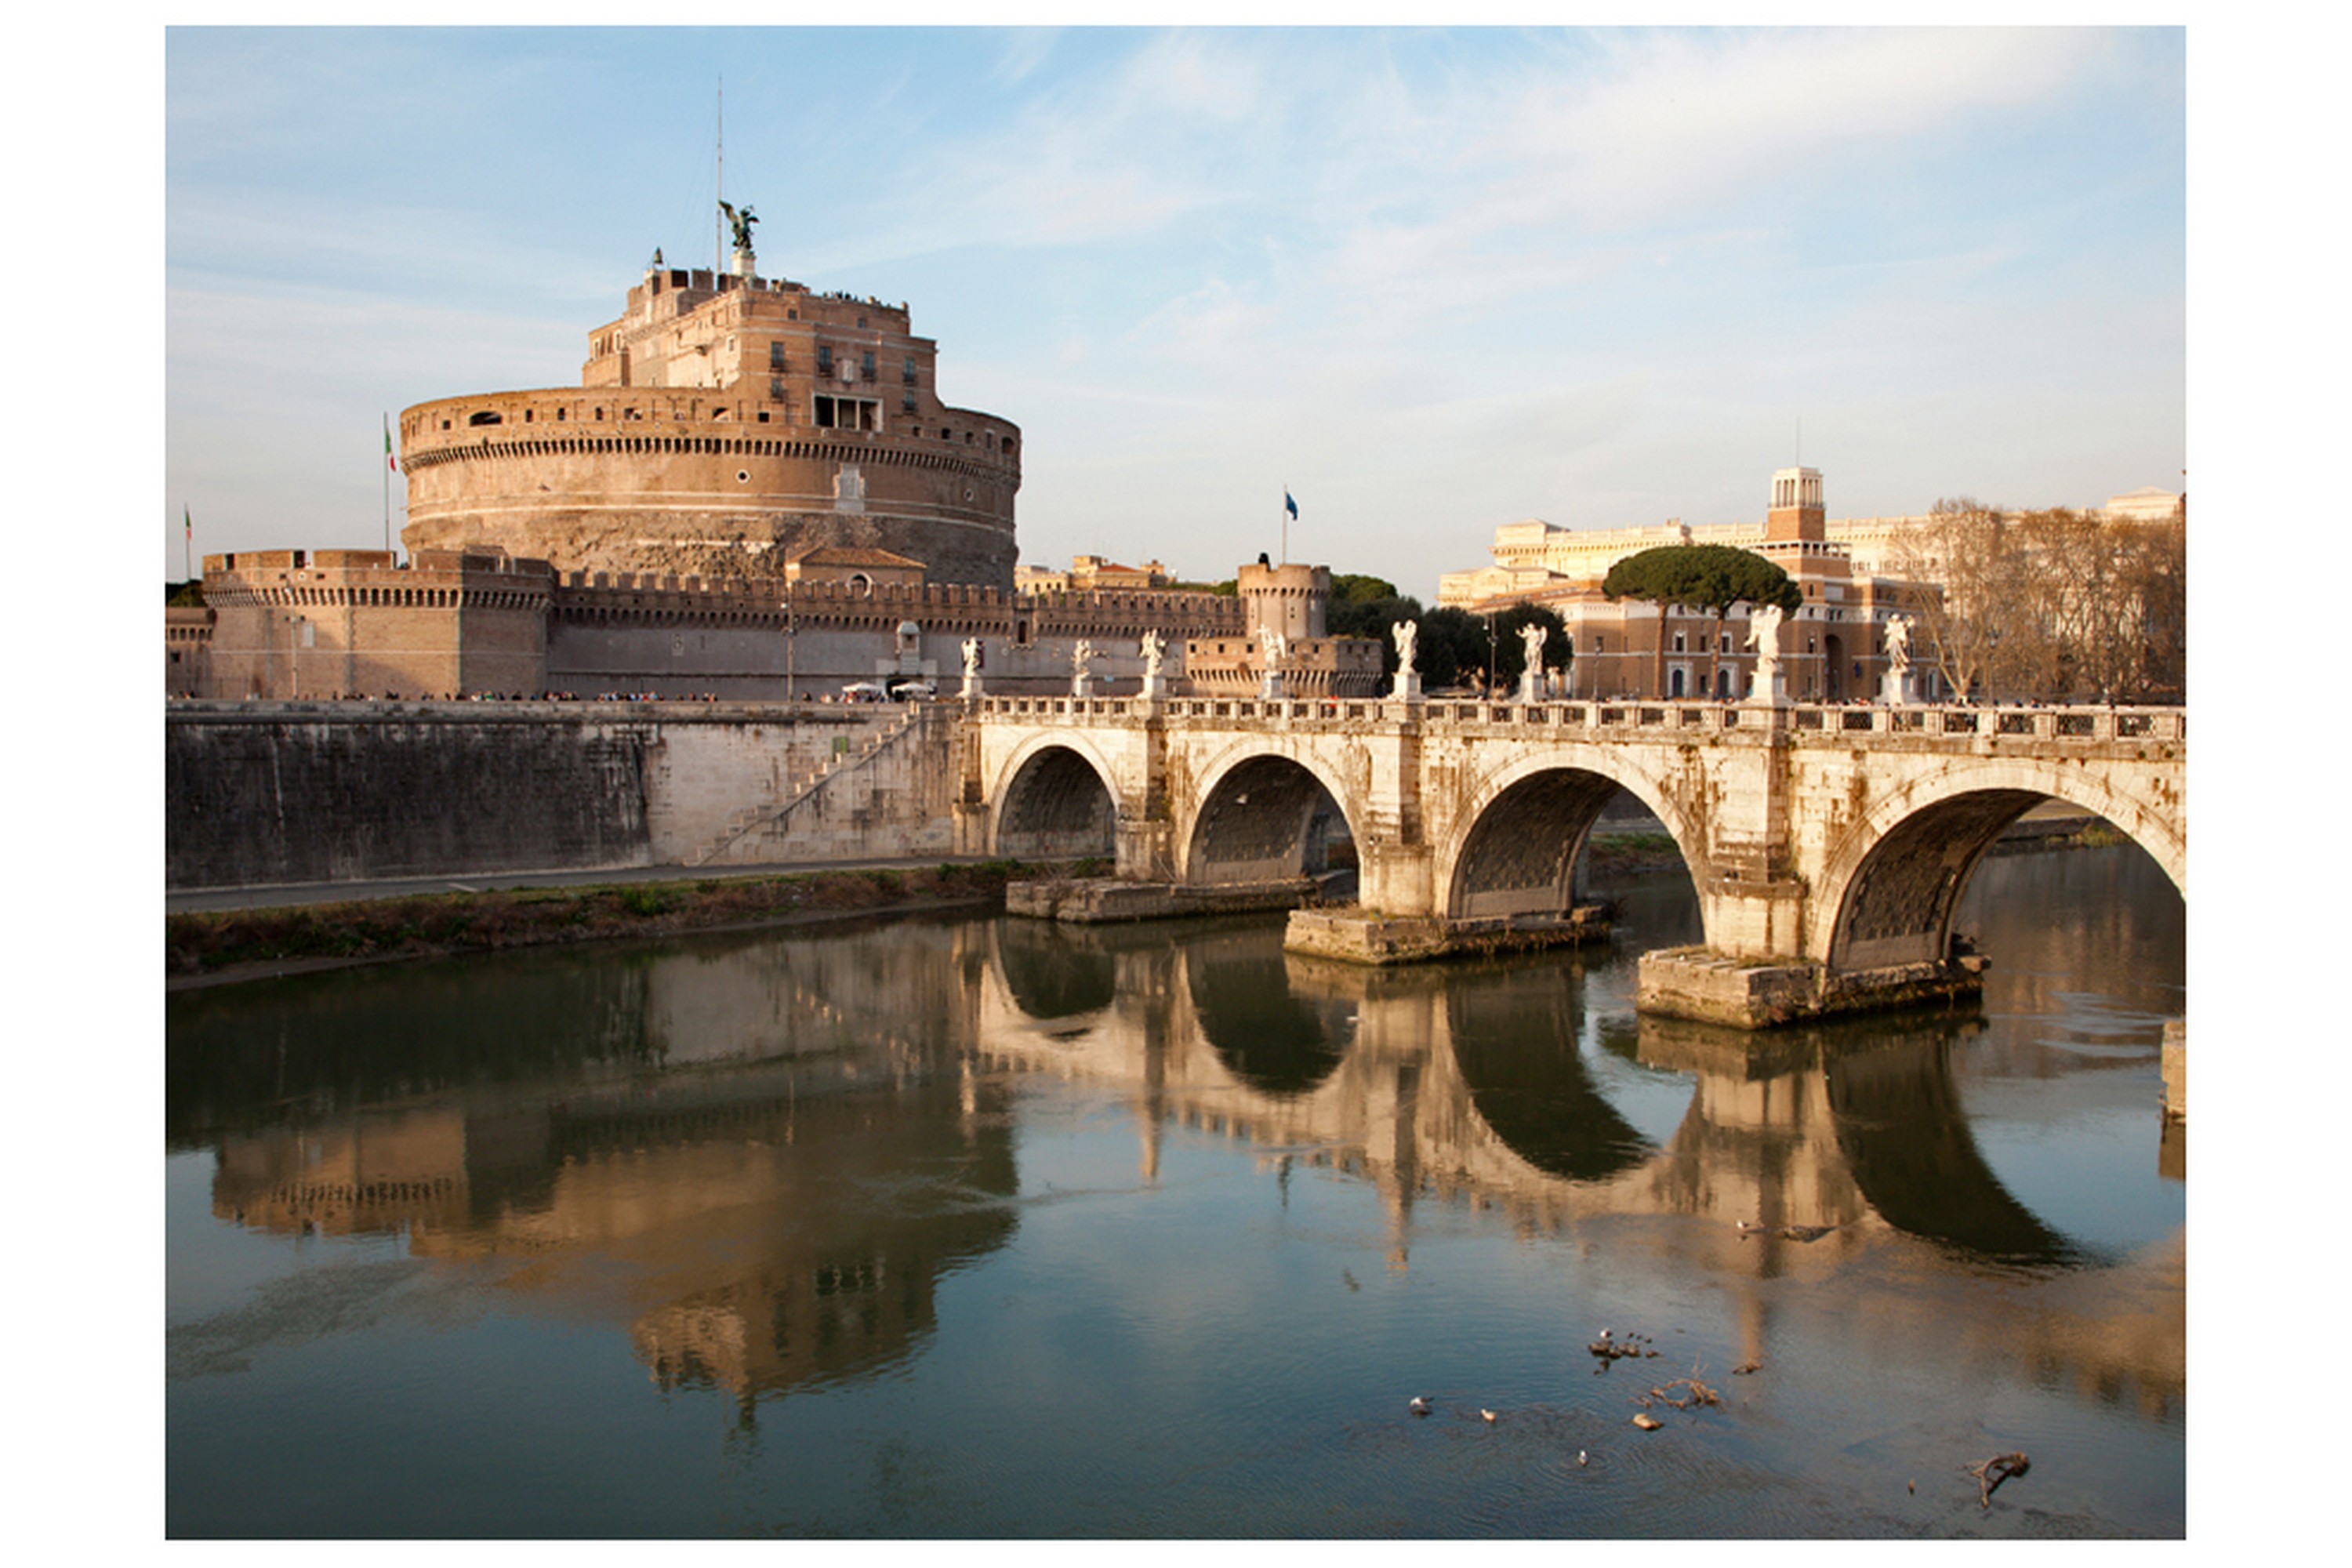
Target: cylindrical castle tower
(1289,599)
(723,426)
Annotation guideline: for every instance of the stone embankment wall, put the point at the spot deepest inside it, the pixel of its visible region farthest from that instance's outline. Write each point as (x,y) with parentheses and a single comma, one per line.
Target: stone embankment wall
(264,793)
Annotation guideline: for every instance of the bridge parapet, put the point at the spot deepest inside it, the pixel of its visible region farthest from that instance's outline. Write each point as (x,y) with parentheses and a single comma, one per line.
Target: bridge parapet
(1799,721)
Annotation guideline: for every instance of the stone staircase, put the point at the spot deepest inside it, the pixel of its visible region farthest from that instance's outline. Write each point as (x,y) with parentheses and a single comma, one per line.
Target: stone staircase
(849,765)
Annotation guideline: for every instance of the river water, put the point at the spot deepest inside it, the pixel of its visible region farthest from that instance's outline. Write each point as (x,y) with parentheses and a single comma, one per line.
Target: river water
(979,1227)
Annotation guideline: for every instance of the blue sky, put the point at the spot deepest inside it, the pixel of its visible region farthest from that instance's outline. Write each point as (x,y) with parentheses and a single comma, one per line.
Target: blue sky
(1430,279)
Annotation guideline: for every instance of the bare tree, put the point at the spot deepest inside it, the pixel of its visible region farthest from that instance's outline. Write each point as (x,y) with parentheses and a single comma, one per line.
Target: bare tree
(1957,567)
(2055,606)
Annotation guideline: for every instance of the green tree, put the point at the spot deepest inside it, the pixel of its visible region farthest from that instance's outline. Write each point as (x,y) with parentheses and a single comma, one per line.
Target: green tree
(1703,577)
(1458,649)
(1353,588)
(1451,647)
(1370,616)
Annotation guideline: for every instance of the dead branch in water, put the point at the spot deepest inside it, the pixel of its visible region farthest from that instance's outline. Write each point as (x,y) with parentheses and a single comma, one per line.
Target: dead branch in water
(1991,1472)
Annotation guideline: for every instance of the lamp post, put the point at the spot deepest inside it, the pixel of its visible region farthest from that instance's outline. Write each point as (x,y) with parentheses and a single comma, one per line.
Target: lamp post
(792,644)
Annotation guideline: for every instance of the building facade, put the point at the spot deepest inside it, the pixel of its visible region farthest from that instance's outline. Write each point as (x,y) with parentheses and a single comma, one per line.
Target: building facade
(1833,649)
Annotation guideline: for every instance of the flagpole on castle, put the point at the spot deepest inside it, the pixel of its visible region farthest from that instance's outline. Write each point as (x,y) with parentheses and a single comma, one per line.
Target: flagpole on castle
(1286,505)
(388,462)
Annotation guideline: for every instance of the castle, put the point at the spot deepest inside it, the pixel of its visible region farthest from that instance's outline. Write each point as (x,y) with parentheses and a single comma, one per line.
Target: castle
(723,426)
(754,492)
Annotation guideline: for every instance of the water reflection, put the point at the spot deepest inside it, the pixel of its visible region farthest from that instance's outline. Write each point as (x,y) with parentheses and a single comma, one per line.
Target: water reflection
(593,1100)
(765,1155)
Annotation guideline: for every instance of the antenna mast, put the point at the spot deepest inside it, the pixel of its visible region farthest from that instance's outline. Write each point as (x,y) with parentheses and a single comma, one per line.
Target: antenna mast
(718,246)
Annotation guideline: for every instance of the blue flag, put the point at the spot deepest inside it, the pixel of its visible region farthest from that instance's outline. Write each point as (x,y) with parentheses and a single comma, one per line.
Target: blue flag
(1291,506)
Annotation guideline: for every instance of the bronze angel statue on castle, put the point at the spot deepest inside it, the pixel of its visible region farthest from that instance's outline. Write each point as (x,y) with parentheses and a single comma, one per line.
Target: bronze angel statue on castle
(741,222)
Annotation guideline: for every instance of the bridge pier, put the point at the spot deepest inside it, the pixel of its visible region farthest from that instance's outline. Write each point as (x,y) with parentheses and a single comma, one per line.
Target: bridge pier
(1143,851)
(1713,987)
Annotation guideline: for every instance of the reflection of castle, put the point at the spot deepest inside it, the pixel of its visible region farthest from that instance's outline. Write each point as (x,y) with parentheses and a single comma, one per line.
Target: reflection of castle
(710,1182)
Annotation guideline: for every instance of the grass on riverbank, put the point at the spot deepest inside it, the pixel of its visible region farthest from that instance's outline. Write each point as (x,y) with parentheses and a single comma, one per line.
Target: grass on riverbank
(428,925)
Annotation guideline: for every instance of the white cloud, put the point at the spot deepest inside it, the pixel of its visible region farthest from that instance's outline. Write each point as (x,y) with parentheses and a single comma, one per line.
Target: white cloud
(1681,118)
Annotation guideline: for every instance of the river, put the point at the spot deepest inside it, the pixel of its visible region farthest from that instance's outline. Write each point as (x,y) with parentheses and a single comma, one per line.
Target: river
(979,1227)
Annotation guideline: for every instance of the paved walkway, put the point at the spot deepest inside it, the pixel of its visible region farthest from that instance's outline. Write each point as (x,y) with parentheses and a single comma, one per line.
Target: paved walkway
(408,886)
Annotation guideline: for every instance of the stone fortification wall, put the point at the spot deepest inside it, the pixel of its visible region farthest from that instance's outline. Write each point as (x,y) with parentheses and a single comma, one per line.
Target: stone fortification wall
(264,793)
(349,623)
(737,639)
(187,650)
(297,624)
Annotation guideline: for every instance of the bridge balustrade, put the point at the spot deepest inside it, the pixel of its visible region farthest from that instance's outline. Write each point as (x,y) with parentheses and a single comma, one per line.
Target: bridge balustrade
(2094,724)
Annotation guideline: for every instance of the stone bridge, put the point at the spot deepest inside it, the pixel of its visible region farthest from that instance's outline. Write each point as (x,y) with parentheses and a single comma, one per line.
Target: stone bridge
(1829,845)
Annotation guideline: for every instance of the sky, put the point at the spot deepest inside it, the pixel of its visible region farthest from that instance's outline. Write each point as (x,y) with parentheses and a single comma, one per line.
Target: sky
(1427,280)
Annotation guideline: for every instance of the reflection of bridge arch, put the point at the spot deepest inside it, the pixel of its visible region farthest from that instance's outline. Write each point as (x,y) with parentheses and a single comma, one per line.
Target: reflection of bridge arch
(1275,1041)
(1889,885)
(1055,801)
(1478,1086)
(1526,821)
(1051,973)
(1517,1049)
(1251,810)
(1906,1139)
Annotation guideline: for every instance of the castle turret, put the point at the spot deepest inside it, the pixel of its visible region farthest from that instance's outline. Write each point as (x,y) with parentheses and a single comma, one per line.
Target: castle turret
(1287,599)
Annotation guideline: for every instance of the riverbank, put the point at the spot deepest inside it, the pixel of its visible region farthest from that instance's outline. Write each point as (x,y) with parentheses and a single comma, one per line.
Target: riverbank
(223,946)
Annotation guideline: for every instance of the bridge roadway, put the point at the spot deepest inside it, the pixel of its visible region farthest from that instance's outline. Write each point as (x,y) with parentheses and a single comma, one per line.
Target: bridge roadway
(1830,846)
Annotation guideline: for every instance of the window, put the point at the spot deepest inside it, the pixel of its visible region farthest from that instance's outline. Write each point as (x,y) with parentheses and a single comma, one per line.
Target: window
(1678,646)
(776,357)
(775,389)
(907,404)
(824,359)
(908,375)
(847,413)
(866,368)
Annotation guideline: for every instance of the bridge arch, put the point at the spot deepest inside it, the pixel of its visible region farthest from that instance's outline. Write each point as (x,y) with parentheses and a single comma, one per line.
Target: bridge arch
(1890,883)
(1054,801)
(1515,850)
(1252,810)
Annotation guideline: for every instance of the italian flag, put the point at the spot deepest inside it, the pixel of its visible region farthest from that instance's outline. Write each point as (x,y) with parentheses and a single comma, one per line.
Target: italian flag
(390,462)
